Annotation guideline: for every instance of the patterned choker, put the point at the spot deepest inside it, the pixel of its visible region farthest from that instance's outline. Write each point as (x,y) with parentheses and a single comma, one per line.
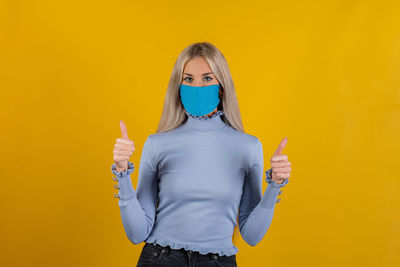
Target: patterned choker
(218,113)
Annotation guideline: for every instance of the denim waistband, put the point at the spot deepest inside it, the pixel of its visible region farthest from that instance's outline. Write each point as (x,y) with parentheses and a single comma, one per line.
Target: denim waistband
(168,249)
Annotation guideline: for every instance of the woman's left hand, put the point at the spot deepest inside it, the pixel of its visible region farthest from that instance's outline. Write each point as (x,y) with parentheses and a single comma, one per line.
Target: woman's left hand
(280,165)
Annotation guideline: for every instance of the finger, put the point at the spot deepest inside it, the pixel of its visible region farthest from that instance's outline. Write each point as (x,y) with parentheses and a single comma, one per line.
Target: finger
(124,147)
(281,164)
(124,130)
(124,141)
(282,175)
(281,146)
(122,152)
(287,169)
(279,158)
(120,158)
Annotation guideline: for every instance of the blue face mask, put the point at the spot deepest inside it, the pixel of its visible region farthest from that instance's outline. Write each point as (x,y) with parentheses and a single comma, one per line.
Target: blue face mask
(199,100)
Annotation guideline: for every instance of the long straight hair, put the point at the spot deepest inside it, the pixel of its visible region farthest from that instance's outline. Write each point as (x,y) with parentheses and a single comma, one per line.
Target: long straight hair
(173,114)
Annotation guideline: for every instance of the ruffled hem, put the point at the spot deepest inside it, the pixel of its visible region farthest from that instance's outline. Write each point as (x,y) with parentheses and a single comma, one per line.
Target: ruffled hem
(218,113)
(269,180)
(122,173)
(201,250)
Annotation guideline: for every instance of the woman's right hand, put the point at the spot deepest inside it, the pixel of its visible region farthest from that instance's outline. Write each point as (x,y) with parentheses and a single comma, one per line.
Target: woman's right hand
(123,149)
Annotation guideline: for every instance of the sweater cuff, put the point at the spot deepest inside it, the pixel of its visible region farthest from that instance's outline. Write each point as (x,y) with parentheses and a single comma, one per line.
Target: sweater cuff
(125,173)
(270,196)
(126,191)
(268,179)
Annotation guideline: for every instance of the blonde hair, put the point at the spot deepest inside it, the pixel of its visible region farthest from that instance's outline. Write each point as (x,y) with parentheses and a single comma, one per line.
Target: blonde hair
(173,114)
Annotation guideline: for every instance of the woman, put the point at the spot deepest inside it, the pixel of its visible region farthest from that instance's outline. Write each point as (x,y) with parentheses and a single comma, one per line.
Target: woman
(198,173)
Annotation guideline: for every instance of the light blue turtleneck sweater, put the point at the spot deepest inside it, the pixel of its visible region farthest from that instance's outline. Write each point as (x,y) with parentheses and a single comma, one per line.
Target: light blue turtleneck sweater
(194,183)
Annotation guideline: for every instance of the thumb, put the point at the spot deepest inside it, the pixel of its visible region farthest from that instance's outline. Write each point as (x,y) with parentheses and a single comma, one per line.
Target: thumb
(124,130)
(281,146)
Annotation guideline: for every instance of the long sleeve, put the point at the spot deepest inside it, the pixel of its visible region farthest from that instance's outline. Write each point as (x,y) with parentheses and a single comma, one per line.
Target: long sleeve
(256,210)
(138,207)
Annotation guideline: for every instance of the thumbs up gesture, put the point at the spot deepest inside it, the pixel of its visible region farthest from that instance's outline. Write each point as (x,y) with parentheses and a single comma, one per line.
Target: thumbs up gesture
(280,165)
(123,149)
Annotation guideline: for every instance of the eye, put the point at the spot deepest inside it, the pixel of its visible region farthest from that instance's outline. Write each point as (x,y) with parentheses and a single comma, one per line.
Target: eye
(208,77)
(187,78)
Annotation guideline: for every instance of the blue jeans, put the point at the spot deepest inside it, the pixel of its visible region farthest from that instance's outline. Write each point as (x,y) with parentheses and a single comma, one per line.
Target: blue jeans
(155,255)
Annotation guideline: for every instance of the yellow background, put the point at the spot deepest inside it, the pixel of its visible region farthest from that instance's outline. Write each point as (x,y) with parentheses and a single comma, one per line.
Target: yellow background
(323,73)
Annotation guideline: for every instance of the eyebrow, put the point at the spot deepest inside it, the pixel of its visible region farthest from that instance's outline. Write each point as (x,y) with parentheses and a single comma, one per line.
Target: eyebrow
(202,74)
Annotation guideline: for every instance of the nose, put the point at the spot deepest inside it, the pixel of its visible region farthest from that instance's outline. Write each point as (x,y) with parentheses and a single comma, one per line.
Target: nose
(199,84)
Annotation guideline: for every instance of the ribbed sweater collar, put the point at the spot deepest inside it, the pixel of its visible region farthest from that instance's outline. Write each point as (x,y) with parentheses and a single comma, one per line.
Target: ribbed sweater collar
(206,123)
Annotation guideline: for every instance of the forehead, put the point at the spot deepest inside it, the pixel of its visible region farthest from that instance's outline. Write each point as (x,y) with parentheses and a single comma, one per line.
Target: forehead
(197,66)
